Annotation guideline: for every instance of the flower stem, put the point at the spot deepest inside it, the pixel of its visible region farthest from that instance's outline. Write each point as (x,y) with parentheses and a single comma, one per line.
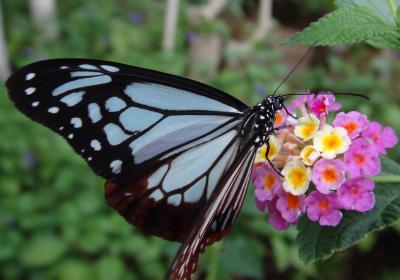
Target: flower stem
(392,6)
(387,179)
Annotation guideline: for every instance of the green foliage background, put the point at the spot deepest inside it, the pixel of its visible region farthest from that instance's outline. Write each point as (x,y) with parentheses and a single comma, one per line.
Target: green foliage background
(54,222)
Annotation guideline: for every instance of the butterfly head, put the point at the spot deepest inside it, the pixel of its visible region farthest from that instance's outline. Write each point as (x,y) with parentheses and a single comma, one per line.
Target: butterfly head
(265,117)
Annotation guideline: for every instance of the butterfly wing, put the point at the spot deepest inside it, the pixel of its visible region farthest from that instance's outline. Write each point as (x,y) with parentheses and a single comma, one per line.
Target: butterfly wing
(120,118)
(162,142)
(217,217)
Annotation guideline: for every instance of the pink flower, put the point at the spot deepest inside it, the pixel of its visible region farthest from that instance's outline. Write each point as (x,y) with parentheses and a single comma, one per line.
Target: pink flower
(275,217)
(298,102)
(328,175)
(357,194)
(323,208)
(290,206)
(354,122)
(322,104)
(381,138)
(266,182)
(362,159)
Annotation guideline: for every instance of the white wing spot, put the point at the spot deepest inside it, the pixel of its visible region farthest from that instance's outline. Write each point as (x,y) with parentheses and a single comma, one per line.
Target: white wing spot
(30,90)
(109,68)
(83,150)
(95,144)
(70,136)
(76,122)
(89,158)
(174,199)
(30,76)
(61,128)
(64,67)
(157,195)
(115,166)
(88,67)
(35,104)
(53,110)
(94,112)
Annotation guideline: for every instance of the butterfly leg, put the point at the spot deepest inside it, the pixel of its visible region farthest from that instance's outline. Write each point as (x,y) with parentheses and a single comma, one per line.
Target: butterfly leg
(269,161)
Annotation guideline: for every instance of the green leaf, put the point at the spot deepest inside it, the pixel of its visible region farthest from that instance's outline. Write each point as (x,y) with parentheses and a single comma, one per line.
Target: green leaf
(381,8)
(346,26)
(318,242)
(109,268)
(42,251)
(389,167)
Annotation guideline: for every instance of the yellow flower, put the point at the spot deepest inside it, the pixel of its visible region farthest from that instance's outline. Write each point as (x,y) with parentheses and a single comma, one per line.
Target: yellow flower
(331,141)
(306,127)
(297,177)
(309,155)
(274,148)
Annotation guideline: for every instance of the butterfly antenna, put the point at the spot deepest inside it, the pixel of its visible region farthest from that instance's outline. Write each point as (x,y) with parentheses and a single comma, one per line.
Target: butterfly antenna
(331,93)
(292,71)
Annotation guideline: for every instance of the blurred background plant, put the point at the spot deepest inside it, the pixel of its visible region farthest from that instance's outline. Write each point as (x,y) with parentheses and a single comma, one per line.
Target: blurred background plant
(54,222)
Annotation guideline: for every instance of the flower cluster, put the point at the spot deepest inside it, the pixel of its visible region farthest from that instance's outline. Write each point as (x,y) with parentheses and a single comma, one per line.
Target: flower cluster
(325,167)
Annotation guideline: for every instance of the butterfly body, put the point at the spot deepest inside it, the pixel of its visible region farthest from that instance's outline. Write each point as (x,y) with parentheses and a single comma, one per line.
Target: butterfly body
(176,154)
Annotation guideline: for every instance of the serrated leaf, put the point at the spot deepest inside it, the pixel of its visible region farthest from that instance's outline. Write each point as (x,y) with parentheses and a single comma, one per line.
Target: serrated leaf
(347,26)
(381,8)
(318,242)
(386,41)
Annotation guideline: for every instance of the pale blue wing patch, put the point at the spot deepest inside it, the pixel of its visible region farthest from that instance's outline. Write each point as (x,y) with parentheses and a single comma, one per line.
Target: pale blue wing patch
(156,177)
(175,199)
(73,98)
(219,169)
(137,119)
(115,104)
(195,192)
(169,98)
(115,135)
(84,74)
(173,131)
(195,162)
(81,83)
(76,122)
(94,112)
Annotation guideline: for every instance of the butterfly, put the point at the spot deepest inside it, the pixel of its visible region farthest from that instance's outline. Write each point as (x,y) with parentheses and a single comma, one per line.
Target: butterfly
(176,154)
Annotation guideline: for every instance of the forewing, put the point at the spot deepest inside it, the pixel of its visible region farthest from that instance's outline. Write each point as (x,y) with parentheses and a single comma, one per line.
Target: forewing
(216,219)
(123,120)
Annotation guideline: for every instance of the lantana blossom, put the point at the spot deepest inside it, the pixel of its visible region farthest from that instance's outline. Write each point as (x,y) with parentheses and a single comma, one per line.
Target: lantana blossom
(357,194)
(266,182)
(382,138)
(322,103)
(362,159)
(321,168)
(290,206)
(306,127)
(328,175)
(323,208)
(296,177)
(331,141)
(354,122)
